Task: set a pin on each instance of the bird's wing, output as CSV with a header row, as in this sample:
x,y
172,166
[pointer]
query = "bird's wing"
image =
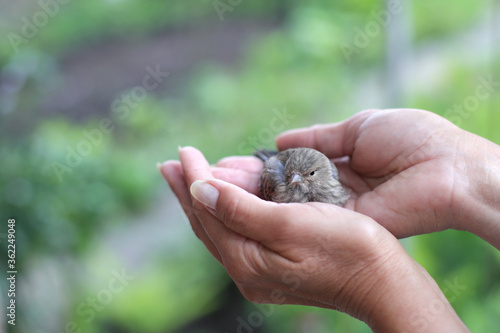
x,y
282,156
271,177
335,172
264,154
274,167
285,154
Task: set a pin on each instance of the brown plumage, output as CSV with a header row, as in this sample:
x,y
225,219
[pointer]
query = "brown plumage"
x,y
300,175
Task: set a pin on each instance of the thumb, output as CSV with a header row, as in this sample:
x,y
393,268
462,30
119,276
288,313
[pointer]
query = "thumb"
x,y
285,228
242,212
333,140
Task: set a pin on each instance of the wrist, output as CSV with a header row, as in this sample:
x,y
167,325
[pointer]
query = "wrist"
x,y
477,189
404,298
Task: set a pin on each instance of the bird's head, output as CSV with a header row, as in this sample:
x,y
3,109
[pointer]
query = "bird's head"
x,y
306,167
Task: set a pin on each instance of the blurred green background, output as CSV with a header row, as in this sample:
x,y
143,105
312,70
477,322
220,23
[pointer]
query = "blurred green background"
x,y
94,93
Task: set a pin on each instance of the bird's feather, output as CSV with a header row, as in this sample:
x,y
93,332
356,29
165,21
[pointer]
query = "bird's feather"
x,y
320,178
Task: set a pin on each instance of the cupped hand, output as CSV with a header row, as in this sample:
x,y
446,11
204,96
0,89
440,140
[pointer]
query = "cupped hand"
x,y
312,254
400,165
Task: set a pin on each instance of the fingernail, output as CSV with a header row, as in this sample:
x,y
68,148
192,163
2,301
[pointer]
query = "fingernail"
x,y
205,193
158,166
179,148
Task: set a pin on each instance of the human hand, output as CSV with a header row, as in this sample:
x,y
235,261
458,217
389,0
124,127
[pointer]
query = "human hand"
x,y
412,171
312,254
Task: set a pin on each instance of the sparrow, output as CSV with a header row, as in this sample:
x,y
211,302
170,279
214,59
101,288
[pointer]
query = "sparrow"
x,y
300,175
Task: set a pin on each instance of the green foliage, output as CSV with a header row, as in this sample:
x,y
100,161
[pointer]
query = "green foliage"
x,y
167,292
84,21
454,96
467,274
61,186
308,319
436,18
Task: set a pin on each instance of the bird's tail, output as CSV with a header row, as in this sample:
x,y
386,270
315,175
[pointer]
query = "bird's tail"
x,y
264,154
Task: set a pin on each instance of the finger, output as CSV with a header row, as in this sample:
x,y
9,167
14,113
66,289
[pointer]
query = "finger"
x,y
251,264
227,241
196,168
229,244
239,210
246,260
247,181
334,140
173,174
249,164
274,225
194,165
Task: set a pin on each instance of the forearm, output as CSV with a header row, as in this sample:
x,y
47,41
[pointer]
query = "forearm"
x,y
477,189
408,300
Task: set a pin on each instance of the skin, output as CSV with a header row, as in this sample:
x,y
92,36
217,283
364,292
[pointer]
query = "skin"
x,y
408,171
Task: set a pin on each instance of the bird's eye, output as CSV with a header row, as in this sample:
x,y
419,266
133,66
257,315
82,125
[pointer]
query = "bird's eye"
x,y
312,173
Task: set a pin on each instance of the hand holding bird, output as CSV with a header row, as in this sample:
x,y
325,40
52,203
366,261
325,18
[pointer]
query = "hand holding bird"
x,y
402,172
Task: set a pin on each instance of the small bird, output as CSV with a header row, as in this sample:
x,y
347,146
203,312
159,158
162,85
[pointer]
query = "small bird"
x,y
300,175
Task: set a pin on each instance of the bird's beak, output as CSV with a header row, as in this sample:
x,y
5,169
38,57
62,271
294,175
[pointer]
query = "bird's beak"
x,y
296,179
